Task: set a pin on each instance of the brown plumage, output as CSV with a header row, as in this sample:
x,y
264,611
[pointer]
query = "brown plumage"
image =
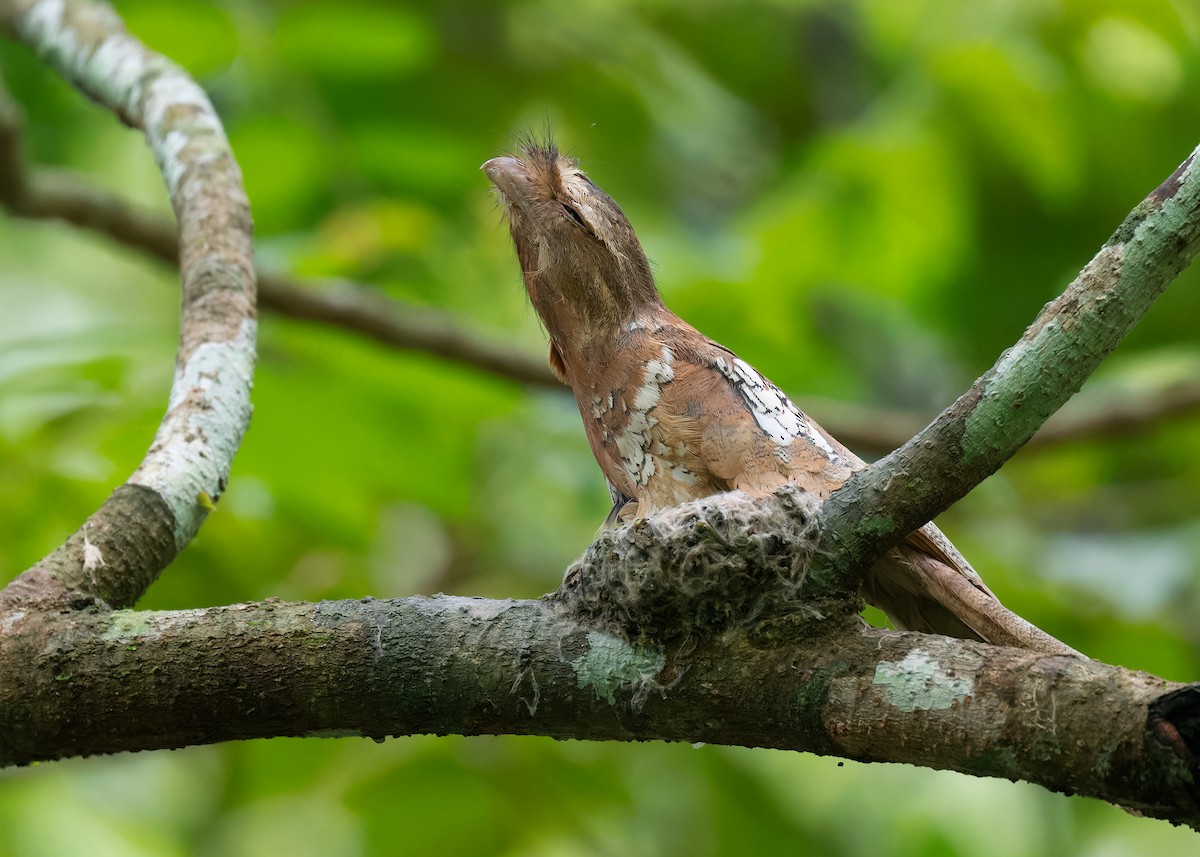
x,y
672,416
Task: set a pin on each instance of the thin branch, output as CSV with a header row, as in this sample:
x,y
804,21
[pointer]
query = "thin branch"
x,y
972,438
1089,416
1102,416
470,666
12,174
121,549
57,195
391,323
49,194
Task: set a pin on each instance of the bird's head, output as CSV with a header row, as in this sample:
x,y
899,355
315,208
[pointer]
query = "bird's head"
x,y
583,266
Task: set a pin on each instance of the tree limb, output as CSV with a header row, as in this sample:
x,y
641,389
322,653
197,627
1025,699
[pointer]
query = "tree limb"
x,y
744,663
133,681
972,438
122,547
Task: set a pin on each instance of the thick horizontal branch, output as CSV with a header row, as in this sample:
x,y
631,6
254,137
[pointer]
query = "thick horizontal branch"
x,y
120,550
102,683
972,438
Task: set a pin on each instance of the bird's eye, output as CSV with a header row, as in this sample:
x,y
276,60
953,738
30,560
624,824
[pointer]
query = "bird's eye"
x,y
575,215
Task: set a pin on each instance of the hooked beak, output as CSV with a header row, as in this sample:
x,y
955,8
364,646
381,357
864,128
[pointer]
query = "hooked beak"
x,y
509,177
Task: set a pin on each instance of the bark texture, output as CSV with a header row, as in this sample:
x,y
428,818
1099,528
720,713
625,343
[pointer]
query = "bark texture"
x,y
109,682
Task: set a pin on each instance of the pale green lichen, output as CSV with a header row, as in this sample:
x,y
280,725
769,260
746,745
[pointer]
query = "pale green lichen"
x,y
611,664
124,624
920,683
140,626
10,621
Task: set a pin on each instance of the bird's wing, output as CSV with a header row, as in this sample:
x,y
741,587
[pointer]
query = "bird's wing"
x,y
756,438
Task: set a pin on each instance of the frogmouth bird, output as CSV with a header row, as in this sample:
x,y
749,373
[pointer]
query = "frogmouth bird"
x,y
673,416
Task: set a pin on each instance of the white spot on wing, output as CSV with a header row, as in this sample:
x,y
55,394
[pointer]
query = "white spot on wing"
x,y
681,474
774,412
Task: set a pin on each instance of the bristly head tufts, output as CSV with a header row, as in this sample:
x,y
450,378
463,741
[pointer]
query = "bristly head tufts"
x,y
583,266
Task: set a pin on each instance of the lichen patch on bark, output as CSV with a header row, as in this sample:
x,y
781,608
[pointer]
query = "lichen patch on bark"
x,y
920,683
127,623
611,664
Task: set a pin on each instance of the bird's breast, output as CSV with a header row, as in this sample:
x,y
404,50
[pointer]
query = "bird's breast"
x,y
671,422
641,434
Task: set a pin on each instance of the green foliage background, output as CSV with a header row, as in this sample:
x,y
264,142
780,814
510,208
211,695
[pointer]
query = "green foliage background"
x,y
868,200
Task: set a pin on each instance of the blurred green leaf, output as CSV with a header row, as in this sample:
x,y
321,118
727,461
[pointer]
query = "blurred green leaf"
x,y
198,35
1131,61
1014,96
286,168
353,40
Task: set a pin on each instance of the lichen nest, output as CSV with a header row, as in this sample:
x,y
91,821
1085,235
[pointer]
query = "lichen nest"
x,y
699,570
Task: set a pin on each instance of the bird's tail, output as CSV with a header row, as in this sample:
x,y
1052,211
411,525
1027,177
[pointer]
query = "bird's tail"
x,y
921,592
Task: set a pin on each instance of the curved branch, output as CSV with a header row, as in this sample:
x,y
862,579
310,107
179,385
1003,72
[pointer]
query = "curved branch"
x,y
148,520
473,666
972,438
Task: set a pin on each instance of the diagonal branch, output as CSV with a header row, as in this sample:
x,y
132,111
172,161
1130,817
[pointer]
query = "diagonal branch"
x,y
972,438
148,520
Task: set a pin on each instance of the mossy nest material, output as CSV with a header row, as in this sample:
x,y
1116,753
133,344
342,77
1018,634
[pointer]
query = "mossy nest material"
x,y
698,570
